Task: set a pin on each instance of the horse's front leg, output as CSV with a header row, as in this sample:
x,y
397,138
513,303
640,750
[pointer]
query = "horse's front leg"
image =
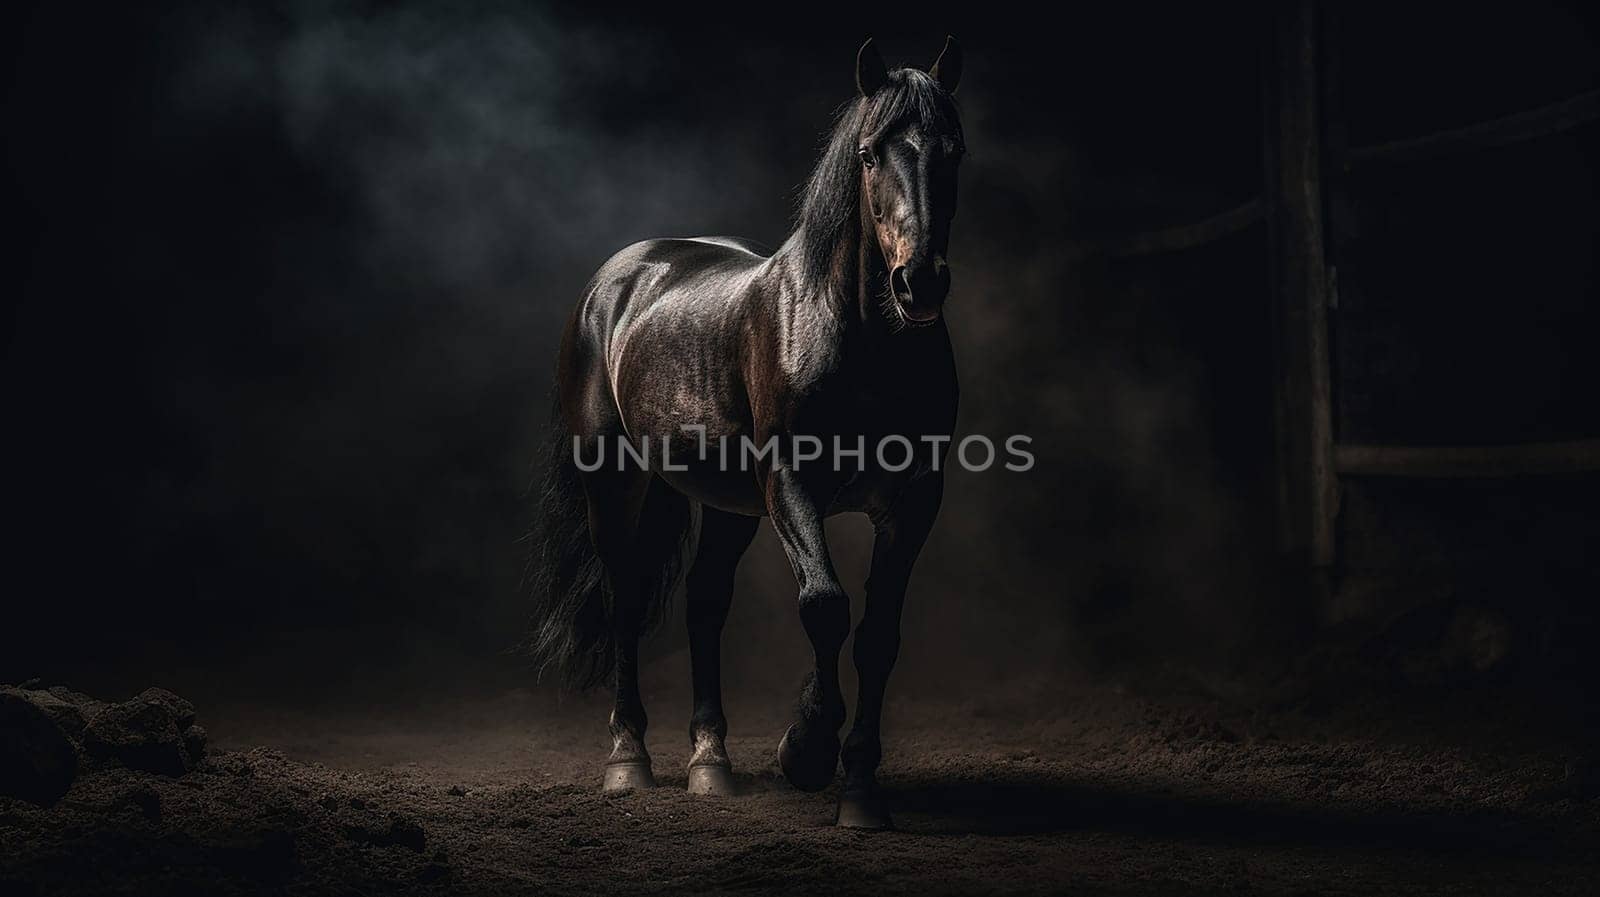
x,y
901,531
809,752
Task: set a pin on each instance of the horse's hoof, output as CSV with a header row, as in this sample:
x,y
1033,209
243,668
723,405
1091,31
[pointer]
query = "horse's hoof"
x,y
628,775
808,766
711,780
863,810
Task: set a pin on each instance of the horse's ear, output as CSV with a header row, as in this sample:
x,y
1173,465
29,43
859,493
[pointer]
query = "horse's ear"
x,y
947,68
871,73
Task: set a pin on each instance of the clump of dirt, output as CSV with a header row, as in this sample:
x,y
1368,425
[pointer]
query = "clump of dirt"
x,y
52,733
154,732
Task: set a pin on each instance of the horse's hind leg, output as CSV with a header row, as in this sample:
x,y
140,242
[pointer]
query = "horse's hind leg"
x,y
900,535
616,501
723,540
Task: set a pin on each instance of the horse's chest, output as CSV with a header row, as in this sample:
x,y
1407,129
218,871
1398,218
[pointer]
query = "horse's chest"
x,y
862,406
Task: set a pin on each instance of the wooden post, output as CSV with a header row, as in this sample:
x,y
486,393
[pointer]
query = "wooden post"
x,y
1307,488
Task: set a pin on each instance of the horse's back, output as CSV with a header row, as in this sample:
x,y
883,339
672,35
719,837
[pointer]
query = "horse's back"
x,y
640,275
643,273
658,306
751,247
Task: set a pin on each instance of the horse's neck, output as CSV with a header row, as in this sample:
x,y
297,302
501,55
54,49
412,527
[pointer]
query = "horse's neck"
x,y
848,292
834,324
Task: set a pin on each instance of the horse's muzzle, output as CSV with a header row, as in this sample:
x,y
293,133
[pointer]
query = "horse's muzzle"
x,y
920,289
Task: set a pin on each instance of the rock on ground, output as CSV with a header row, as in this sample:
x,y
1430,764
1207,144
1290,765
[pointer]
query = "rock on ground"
x,y
37,760
48,734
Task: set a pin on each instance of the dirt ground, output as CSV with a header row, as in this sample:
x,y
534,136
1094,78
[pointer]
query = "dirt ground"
x,y
1088,790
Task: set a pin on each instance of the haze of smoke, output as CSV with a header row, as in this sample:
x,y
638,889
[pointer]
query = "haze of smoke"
x,y
494,157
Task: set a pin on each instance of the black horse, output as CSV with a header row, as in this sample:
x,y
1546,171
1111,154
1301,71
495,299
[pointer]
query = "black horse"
x,y
687,343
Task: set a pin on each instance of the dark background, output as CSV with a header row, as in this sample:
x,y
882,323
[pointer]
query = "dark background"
x,y
288,282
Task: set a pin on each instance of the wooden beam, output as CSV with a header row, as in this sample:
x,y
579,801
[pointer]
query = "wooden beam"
x,y
1306,481
1522,126
1527,459
1535,123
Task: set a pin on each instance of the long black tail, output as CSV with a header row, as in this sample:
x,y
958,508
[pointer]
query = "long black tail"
x,y
572,607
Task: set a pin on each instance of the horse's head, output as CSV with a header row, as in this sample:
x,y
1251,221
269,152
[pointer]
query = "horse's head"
x,y
910,147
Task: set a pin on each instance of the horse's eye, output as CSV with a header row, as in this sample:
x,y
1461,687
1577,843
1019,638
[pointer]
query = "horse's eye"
x,y
866,157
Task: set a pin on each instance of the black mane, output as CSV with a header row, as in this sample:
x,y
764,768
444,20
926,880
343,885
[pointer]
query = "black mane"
x,y
829,204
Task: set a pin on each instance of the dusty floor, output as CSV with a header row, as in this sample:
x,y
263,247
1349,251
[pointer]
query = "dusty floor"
x,y
1107,792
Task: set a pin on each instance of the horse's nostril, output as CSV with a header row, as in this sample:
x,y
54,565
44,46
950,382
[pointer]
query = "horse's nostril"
x,y
899,284
927,283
